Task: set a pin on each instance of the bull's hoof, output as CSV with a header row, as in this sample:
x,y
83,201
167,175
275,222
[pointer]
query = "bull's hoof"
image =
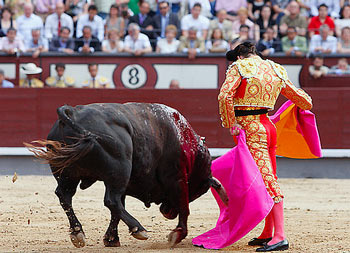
x,y
175,237
111,242
78,239
140,235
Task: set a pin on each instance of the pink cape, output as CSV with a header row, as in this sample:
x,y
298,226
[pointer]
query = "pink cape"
x,y
249,201
297,135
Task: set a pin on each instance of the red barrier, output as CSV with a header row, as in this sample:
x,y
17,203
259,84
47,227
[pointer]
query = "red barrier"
x,y
149,62
28,114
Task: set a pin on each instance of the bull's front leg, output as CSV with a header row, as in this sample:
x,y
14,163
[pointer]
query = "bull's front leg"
x,y
65,191
180,232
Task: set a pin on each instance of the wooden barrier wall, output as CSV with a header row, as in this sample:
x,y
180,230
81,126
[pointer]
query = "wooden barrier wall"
x,y
28,114
156,70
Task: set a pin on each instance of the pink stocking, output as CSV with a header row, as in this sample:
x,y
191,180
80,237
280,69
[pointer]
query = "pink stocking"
x,y
268,228
277,213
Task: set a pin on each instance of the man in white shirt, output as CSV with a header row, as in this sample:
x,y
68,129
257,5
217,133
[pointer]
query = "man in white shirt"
x,y
195,20
136,42
27,22
333,7
92,20
11,44
323,42
56,21
95,80
205,4
38,44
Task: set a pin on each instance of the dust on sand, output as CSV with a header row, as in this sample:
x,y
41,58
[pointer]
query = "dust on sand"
x,y
317,218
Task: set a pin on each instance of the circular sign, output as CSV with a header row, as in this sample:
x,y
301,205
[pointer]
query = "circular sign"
x,y
134,76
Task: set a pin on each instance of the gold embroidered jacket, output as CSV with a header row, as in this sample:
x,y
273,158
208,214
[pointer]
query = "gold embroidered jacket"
x,y
253,82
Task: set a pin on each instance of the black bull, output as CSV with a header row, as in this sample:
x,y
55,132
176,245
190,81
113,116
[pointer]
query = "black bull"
x,y
148,151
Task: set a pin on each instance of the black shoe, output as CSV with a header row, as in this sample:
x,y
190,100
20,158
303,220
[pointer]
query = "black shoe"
x,y
258,242
280,246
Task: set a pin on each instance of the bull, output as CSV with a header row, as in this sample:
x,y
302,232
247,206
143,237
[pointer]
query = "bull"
x,y
148,151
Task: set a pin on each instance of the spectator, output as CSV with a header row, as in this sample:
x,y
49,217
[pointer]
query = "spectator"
x,y
112,44
195,20
343,3
136,42
344,41
63,43
165,18
3,82
304,7
31,70
12,44
134,6
76,8
192,45
323,42
293,19
56,21
217,44
153,5
114,21
242,37
174,84
27,22
60,81
293,44
205,7
175,6
93,21
243,20
6,21
126,13
95,80
333,7
254,8
318,70
43,8
343,21
221,22
16,7
144,20
264,21
280,9
322,19
342,68
104,7
37,44
230,6
87,43
268,44
169,44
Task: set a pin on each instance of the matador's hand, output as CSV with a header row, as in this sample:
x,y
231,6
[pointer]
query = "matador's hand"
x,y
235,129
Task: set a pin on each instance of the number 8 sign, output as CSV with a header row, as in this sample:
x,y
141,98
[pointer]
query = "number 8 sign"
x,y
133,76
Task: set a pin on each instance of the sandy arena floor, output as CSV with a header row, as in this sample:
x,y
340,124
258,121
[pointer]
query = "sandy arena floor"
x,y
317,214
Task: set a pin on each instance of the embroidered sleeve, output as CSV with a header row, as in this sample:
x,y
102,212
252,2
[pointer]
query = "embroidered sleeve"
x,y
227,93
297,96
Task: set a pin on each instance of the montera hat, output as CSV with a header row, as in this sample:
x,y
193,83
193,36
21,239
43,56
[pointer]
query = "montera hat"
x,y
31,68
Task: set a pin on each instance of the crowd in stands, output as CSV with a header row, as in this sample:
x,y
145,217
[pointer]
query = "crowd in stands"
x,y
292,27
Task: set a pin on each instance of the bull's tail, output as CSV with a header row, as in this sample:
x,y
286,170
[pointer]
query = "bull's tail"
x,y
60,155
219,188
